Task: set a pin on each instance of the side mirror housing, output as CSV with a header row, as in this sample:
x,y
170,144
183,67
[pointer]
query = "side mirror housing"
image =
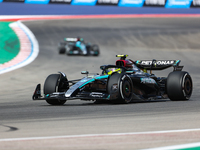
x,y
84,72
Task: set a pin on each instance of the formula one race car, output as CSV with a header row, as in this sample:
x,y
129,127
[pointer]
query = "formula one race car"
x,y
77,46
124,82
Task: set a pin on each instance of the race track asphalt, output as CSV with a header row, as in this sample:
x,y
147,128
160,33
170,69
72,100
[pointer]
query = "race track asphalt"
x,y
140,38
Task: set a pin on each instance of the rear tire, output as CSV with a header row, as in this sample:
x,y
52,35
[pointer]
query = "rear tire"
x,y
179,86
120,87
52,85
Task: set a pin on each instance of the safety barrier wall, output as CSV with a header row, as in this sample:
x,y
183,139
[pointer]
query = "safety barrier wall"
x,y
122,3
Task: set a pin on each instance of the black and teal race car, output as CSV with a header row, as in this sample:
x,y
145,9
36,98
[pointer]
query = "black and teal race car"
x,y
77,46
126,81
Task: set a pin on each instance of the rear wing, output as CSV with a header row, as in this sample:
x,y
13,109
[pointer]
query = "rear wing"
x,y
158,64
70,39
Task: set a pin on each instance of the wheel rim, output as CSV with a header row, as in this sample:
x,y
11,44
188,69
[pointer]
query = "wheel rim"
x,y
126,89
188,86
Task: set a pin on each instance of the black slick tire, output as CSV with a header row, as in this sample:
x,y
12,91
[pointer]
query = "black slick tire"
x,y
179,86
95,49
62,50
52,85
120,87
70,50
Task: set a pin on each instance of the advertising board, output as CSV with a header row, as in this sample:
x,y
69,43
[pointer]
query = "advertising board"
x,y
37,1
107,2
84,2
195,3
178,4
13,0
60,1
131,3
157,3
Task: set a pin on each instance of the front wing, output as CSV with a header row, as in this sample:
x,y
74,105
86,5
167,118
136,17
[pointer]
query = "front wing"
x,y
61,95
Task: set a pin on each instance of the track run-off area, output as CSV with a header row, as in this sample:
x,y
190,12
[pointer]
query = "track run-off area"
x,y
26,124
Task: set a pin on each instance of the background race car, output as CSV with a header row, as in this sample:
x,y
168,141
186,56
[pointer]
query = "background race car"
x,y
77,46
124,82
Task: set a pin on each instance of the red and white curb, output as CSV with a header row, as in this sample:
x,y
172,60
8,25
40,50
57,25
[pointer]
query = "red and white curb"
x,y
29,48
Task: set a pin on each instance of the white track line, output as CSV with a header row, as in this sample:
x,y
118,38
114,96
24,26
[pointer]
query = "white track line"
x,y
176,147
98,135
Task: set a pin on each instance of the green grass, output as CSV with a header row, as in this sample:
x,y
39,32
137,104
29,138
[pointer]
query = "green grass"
x,y
9,43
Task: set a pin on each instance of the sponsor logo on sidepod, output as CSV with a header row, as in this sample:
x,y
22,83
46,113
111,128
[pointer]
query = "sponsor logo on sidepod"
x,y
147,80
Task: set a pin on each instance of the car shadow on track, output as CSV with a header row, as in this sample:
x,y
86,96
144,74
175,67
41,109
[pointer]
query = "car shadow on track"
x,y
104,103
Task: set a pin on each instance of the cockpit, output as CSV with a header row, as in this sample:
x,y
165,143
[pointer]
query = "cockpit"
x,y
110,69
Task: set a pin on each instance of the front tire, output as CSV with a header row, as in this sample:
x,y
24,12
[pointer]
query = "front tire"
x,y
95,49
62,48
179,86
51,85
120,87
69,50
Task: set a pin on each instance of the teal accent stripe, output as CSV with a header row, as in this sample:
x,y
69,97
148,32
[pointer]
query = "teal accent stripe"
x,y
137,61
102,77
87,83
177,61
129,71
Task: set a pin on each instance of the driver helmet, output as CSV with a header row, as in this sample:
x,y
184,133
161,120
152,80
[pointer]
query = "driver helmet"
x,y
80,39
114,70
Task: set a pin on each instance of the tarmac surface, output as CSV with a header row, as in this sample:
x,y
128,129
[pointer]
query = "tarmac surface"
x,y
140,38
